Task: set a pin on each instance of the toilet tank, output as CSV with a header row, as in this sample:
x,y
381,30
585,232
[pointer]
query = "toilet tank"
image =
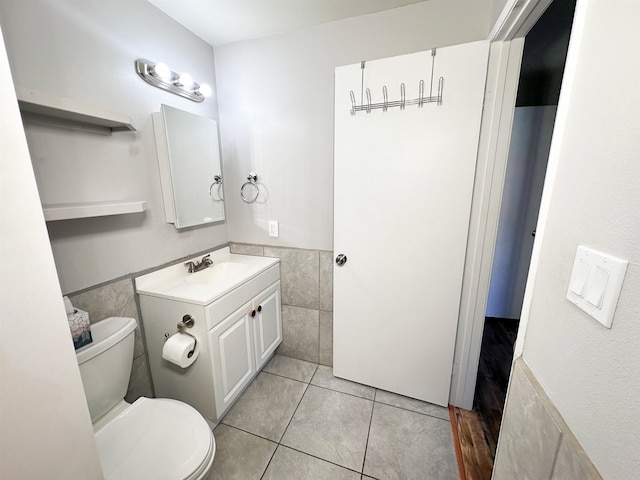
x,y
105,364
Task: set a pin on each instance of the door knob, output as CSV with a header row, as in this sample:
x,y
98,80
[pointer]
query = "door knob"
x,y
341,259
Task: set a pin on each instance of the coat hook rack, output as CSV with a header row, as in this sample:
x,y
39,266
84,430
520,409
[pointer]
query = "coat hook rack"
x,y
403,102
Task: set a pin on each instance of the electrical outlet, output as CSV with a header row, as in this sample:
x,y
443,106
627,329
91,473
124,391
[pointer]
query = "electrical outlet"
x,y
273,228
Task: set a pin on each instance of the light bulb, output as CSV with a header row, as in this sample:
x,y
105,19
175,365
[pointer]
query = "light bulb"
x,y
162,70
185,80
205,90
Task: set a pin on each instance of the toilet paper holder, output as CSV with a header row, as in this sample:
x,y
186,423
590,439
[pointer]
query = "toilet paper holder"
x,y
187,322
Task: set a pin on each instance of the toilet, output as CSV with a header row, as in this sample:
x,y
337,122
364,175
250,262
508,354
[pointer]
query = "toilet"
x,y
151,439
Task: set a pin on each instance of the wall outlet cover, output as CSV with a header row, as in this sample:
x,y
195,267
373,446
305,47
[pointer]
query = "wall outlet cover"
x,y
273,228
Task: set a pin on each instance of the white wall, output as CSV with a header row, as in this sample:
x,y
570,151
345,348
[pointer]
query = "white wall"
x,y
526,167
45,430
592,374
86,50
276,110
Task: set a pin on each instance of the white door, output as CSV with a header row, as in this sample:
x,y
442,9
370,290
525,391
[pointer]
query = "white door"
x,y
403,185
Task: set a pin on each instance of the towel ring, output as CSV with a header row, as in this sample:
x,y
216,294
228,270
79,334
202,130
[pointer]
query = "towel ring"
x,y
246,192
217,180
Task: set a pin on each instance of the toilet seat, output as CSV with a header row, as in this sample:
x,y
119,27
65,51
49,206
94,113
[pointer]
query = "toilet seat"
x,y
156,439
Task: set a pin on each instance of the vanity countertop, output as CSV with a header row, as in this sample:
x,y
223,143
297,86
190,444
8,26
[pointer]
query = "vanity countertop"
x,y
228,272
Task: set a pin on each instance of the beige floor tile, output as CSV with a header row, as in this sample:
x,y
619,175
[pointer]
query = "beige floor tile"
x,y
332,426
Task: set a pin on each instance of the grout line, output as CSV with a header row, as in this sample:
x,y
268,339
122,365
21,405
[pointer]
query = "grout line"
x,y
314,373
289,378
413,411
247,431
277,375
269,462
294,414
555,455
339,391
366,445
322,459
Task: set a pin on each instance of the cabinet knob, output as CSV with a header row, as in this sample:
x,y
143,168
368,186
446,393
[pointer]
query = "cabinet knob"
x,y
259,308
253,313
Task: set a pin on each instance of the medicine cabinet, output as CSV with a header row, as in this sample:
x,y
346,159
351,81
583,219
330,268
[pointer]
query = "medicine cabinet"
x,y
190,172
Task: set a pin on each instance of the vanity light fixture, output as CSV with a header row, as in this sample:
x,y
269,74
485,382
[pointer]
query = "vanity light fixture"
x,y
161,76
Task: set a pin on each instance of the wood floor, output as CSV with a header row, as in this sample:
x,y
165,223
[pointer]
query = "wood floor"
x,y
477,430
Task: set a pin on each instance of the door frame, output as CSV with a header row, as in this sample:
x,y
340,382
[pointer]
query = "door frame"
x,y
505,59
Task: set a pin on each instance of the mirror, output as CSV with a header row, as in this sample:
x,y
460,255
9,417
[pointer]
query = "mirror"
x,y
189,161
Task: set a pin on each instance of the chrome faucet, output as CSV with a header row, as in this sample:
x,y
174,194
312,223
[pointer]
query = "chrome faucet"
x,y
201,265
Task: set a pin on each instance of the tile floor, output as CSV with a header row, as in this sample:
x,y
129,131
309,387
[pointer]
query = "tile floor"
x,y
297,421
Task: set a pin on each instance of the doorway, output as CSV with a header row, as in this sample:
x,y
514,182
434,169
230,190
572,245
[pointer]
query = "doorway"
x,y
539,84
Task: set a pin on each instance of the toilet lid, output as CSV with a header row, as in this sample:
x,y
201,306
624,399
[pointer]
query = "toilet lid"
x,y
155,439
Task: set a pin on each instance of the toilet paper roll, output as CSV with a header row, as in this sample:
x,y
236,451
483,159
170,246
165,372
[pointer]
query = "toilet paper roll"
x,y
176,350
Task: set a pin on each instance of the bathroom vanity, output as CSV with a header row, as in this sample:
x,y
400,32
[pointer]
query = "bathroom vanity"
x,y
235,304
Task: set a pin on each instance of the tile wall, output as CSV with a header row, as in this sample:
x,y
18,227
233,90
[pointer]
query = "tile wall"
x,y
117,299
306,282
535,442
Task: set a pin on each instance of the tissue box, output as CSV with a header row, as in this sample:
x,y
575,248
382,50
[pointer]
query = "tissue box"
x,y
80,328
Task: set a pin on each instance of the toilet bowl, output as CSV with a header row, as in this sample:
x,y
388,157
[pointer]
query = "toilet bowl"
x,y
152,438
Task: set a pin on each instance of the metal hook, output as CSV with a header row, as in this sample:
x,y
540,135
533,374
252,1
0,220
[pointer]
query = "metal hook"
x,y
353,102
368,101
440,90
420,93
386,99
402,97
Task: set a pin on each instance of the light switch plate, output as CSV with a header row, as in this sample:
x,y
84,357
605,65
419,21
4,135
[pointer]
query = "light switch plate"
x,y
596,278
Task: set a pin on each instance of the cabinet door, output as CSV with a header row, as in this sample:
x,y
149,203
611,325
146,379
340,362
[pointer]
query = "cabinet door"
x,y
267,325
231,345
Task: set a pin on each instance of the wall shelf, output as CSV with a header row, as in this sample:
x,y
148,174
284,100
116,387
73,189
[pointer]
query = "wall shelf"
x,y
69,110
66,211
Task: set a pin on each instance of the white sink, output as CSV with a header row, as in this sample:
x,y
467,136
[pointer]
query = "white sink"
x,y
227,272
217,273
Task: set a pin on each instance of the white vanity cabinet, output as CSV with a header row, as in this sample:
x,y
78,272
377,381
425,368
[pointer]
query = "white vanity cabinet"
x,y
238,328
242,343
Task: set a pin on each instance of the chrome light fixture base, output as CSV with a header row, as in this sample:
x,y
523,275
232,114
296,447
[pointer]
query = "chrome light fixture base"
x,y
145,68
